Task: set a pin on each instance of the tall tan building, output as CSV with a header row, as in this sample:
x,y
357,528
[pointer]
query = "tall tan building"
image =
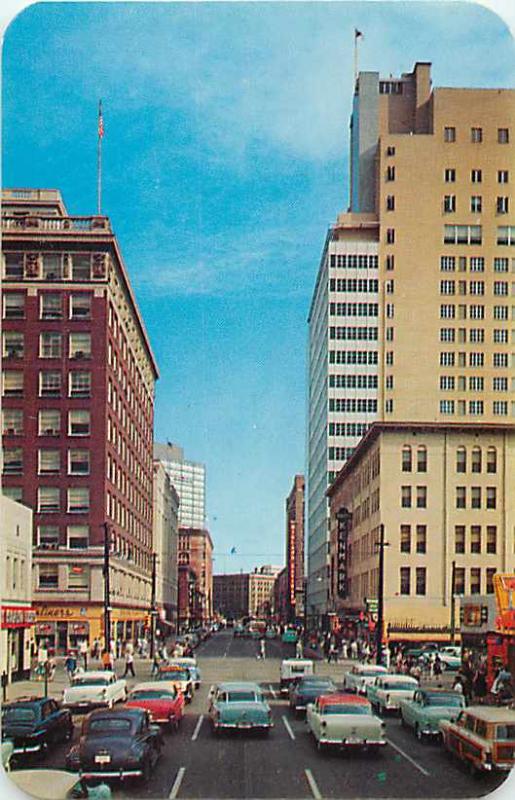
x,y
431,169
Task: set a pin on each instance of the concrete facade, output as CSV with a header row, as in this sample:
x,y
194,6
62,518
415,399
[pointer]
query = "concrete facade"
x,y
165,534
189,479
295,550
195,551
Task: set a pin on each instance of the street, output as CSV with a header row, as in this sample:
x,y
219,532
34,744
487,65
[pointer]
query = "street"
x,y
196,764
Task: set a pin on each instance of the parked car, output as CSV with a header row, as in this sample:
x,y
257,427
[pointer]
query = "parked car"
x,y
293,669
239,706
95,689
191,664
306,690
361,676
117,743
449,660
289,636
428,708
386,692
344,720
179,677
483,737
34,724
164,703
57,784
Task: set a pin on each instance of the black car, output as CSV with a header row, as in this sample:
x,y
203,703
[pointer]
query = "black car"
x,y
116,743
34,724
306,690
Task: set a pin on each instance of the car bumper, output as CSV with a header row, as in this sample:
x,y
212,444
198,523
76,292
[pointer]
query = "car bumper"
x,y
243,726
27,748
110,773
354,742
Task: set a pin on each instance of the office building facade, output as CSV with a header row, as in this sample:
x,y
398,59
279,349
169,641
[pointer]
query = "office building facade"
x,y
189,480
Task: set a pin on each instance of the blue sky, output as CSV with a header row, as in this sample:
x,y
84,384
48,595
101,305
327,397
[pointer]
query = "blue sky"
x,y
225,159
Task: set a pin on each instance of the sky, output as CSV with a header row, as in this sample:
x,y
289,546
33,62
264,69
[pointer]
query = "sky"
x,y
225,159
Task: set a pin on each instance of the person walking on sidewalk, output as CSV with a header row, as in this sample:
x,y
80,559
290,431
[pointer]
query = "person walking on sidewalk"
x,y
70,666
106,660
129,664
83,650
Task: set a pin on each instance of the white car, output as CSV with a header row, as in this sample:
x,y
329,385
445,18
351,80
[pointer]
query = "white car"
x,y
95,689
361,676
345,721
191,664
387,691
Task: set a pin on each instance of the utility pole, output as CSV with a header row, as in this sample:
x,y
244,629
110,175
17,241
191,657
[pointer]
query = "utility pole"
x,y
381,544
453,605
153,610
107,592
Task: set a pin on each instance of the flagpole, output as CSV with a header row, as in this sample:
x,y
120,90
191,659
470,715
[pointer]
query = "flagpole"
x,y
99,159
357,35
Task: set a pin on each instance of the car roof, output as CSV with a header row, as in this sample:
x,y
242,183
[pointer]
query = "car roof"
x,y
99,673
238,685
173,667
25,701
300,662
315,679
491,714
374,667
107,713
398,678
158,686
341,698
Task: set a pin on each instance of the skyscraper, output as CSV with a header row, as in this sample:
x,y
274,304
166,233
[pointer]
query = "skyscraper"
x,y
189,480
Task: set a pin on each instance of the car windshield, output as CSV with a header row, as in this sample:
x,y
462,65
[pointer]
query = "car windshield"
x,y
174,675
152,695
443,700
316,687
241,697
368,673
110,725
340,708
401,687
18,714
84,680
505,732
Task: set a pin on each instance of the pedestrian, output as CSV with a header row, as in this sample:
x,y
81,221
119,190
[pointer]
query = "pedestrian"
x,y
83,650
354,649
298,648
129,665
262,648
96,647
457,685
70,665
479,685
106,660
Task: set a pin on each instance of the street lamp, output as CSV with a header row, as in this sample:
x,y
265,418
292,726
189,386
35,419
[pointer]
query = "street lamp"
x,y
453,604
107,593
153,609
381,544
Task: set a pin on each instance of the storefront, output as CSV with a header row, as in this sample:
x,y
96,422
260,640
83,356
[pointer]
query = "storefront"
x,y
17,635
477,618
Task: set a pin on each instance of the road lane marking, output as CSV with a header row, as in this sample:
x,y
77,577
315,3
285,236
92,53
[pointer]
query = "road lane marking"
x,y
409,758
174,791
197,729
288,728
272,691
315,791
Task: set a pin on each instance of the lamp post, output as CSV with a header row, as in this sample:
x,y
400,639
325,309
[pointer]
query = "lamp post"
x,y
453,604
107,592
153,610
381,544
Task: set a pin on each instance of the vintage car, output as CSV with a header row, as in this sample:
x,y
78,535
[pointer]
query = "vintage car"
x,y
177,676
483,737
164,703
361,676
117,743
191,664
386,692
34,724
95,689
292,669
306,690
57,784
428,708
449,660
344,720
289,636
238,706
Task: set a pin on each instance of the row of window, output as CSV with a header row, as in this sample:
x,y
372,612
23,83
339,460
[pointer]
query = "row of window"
x,y
476,176
353,356
347,428
474,383
475,264
499,288
500,360
476,135
473,234
420,573
353,381
479,497
74,537
49,461
50,345
77,577
49,500
353,334
419,540
14,576
49,422
478,456
54,266
354,285
50,383
475,407
351,261
477,335
450,204
51,305
476,539
340,453
353,405
354,309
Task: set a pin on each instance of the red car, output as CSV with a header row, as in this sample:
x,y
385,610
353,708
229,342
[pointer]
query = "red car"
x,y
164,703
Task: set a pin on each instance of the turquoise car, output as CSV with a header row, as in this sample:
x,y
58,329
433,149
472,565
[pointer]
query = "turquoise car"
x,y
289,636
239,706
428,708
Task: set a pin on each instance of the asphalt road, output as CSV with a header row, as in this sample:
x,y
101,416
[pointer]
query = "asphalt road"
x,y
286,764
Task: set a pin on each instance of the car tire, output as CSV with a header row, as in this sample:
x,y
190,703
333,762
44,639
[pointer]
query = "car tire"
x,y
419,735
110,703
321,747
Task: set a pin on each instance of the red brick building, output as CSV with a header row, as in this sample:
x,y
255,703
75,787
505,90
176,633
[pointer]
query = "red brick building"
x,y
295,550
281,607
195,552
78,396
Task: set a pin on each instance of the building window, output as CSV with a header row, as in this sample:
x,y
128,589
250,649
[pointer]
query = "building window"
x,y
475,497
503,135
491,497
421,459
47,576
390,173
405,580
13,461
459,580
78,500
449,134
80,306
500,359
14,305
48,537
502,205
476,459
52,268
449,203
420,574
459,538
500,384
447,383
80,345
506,235
50,305
447,334
475,580
475,539
405,496
49,384
447,311
13,344
421,496
48,499
405,541
477,264
390,236
78,423
503,176
406,459
476,407
13,267
49,422
476,176
491,460
447,263
500,336
78,462
12,421
421,538
390,202
390,262
446,406
476,135
461,497
78,577
50,345
491,539
490,572
78,537
79,384
388,406
476,204
81,268
450,175
447,287
49,462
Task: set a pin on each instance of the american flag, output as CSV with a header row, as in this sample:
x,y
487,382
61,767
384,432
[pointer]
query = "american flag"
x,y
100,121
